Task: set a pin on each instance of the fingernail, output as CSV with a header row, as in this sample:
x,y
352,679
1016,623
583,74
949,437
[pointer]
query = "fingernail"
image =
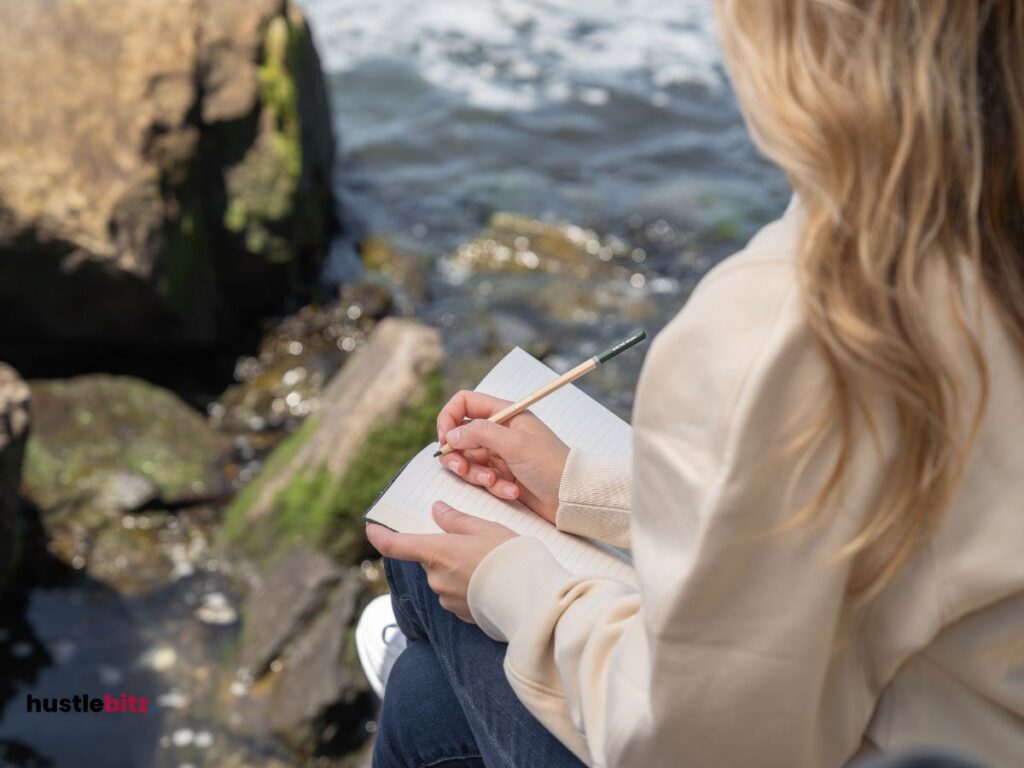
x,y
510,491
483,477
453,465
439,507
453,435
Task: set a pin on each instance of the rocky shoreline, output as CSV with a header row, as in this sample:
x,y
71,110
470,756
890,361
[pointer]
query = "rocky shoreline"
x,y
170,200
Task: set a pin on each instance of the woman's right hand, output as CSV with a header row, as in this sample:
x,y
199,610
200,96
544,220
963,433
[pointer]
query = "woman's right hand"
x,y
520,459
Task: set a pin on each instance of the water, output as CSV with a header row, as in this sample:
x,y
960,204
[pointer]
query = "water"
x,y
587,111
611,114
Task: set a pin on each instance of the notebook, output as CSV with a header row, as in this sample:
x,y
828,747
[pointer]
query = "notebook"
x,y
576,418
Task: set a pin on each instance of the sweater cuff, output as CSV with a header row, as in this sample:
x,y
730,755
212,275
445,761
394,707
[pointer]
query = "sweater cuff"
x,y
594,498
511,580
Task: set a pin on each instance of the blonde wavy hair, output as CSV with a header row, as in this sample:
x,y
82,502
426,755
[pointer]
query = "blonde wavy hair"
x,y
900,124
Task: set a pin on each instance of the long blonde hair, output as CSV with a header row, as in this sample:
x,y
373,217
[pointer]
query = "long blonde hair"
x,y
900,124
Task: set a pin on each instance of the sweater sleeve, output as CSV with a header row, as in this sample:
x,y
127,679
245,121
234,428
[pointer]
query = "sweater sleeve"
x,y
594,498
735,649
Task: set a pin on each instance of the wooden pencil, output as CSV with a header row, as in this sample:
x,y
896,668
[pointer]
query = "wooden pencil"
x,y
566,378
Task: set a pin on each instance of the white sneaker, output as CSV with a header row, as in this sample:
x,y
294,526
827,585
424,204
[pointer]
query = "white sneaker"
x,y
379,642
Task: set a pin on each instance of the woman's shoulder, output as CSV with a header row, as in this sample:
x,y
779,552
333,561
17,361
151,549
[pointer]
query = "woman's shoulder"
x,y
769,255
742,333
743,296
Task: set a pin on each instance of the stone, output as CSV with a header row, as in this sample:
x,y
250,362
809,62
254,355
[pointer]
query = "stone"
x,y
14,423
165,169
511,243
122,491
313,677
96,430
374,415
283,381
281,602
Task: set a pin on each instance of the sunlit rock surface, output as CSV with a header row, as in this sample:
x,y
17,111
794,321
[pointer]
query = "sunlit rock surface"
x,y
164,168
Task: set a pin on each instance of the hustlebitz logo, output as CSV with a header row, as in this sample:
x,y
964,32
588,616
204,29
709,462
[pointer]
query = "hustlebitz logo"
x,y
126,703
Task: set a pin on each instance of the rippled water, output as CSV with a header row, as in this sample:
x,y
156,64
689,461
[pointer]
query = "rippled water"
x,y
589,111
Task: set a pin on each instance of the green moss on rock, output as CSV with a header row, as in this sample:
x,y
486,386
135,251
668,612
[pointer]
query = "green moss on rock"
x,y
325,511
262,187
87,428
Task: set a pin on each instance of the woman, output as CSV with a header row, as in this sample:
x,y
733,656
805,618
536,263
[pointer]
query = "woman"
x,y
826,501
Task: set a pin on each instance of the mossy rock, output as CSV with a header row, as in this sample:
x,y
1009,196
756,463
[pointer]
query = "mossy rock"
x,y
376,414
512,243
323,510
89,428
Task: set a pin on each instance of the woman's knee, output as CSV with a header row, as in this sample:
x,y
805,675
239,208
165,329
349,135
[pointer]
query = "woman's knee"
x,y
421,721
409,592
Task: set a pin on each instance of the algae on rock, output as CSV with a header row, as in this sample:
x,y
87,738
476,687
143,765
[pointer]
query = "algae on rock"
x,y
376,414
89,428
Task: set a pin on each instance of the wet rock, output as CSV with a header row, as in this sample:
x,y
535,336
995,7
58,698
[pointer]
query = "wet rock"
x,y
14,423
511,243
375,414
560,291
283,382
281,602
407,274
314,677
122,491
131,561
173,182
105,447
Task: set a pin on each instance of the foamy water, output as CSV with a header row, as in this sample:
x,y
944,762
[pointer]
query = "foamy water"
x,y
519,54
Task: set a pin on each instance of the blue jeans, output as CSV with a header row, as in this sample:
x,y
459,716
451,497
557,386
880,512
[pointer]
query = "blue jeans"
x,y
447,701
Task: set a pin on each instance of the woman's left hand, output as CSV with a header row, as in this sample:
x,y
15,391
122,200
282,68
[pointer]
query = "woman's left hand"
x,y
448,558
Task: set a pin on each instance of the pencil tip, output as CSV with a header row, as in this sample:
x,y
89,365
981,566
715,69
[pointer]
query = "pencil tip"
x,y
438,453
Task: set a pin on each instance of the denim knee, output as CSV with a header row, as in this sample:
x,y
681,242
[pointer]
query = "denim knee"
x,y
409,593
421,721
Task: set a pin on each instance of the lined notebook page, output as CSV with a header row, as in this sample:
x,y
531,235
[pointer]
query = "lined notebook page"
x,y
575,417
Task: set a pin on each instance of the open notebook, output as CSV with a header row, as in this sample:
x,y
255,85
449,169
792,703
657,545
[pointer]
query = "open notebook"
x,y
576,418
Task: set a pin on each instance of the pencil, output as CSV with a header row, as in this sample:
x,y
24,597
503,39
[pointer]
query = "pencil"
x,y
566,378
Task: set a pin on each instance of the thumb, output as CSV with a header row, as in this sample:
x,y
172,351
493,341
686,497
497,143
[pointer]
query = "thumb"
x,y
481,433
453,521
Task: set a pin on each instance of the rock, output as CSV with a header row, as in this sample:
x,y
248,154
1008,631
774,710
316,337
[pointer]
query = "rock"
x,y
313,677
93,432
407,274
284,380
14,422
375,414
519,244
165,168
281,602
297,672
122,491
105,446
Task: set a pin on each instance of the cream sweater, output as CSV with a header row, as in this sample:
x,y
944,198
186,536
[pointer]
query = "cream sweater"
x,y
739,648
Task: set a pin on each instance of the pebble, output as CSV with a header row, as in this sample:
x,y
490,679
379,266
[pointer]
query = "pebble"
x,y
215,609
173,699
182,737
159,659
204,740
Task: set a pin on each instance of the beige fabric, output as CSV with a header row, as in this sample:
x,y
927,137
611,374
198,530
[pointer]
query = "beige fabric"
x,y
739,648
594,497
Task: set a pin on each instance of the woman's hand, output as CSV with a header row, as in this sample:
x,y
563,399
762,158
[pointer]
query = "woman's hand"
x,y
448,558
520,459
